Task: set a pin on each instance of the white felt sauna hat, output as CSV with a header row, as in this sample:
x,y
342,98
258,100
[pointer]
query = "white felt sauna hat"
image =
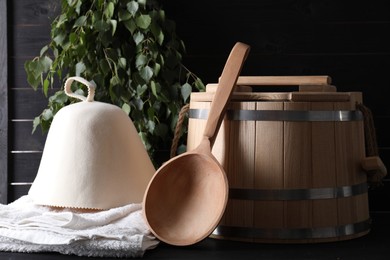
x,y
93,157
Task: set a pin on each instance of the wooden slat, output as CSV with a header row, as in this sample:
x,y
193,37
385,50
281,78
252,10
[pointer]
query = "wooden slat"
x,y
282,80
291,37
27,103
269,168
378,197
350,140
23,140
24,166
270,11
240,170
324,211
281,27
18,76
297,167
34,12
3,103
16,191
29,40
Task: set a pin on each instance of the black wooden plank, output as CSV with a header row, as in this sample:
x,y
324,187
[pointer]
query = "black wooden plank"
x,y
379,197
283,26
384,154
382,129
17,191
18,77
34,12
24,166
21,138
28,40
3,102
27,103
277,10
288,38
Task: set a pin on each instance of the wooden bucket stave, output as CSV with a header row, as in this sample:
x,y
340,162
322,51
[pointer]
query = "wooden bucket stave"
x,y
297,181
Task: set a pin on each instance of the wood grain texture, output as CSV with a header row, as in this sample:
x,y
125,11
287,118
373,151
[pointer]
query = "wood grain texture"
x,y
3,103
269,168
27,103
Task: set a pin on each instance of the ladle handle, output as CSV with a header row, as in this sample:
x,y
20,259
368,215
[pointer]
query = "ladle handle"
x,y
227,81
90,84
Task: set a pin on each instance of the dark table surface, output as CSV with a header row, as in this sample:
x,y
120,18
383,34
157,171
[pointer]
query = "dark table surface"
x,y
375,245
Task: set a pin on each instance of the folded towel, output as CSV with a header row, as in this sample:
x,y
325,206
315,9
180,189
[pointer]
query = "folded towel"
x,y
118,232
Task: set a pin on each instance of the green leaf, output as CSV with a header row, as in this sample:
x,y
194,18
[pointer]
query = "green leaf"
x,y
132,7
46,84
140,61
138,37
157,33
80,68
115,81
104,66
109,11
45,62
143,21
138,103
126,108
199,84
122,63
151,126
141,89
61,19
59,39
43,50
151,112
102,26
47,114
142,2
145,140
154,88
34,82
59,97
73,37
36,123
186,91
146,73
113,26
130,25
157,68
80,21
124,15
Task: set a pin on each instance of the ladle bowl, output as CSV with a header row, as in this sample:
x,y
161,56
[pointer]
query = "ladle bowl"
x,y
188,207
187,196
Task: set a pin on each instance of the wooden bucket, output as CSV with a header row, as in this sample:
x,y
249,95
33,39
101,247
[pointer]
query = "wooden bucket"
x,y
293,161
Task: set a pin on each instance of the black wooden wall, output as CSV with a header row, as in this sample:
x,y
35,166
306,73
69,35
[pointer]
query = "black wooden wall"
x,y
347,40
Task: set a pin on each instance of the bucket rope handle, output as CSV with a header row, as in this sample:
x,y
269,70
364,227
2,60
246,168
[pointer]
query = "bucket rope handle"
x,y
90,85
178,127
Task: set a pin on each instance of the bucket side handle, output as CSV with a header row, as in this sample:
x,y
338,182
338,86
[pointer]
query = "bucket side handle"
x,y
375,169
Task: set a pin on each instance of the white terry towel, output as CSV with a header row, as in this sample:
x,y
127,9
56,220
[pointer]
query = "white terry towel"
x,y
118,232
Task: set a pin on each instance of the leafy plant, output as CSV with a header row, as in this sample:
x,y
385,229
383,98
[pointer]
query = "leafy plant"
x,y
131,51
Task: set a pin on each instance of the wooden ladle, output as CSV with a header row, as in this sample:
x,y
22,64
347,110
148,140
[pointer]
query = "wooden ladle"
x,y
187,196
